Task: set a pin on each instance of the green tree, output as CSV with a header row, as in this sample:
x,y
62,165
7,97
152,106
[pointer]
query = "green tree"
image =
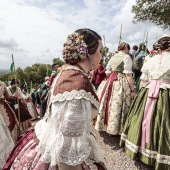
x,y
157,12
105,50
58,61
31,75
5,77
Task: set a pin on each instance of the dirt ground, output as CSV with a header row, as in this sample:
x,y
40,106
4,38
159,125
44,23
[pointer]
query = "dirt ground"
x,y
114,154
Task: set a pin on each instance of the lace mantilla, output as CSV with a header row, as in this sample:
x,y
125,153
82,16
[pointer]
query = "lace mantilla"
x,y
66,136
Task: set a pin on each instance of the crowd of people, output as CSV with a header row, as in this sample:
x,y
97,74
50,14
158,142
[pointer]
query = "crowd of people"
x,y
127,96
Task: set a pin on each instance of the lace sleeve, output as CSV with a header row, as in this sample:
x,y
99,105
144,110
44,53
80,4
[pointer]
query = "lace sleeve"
x,y
127,65
66,137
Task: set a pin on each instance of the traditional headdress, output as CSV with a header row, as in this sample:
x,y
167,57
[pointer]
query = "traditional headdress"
x,y
75,49
164,42
123,45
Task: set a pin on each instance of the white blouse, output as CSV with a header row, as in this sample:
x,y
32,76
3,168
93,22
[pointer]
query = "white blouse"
x,y
127,67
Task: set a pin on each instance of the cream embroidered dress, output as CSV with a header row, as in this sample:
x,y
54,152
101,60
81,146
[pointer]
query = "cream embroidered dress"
x,y
30,106
8,114
6,141
115,99
146,133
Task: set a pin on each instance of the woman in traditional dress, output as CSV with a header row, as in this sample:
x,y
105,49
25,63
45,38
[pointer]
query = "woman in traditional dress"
x,y
25,117
146,133
7,112
115,92
7,142
62,139
153,52
31,108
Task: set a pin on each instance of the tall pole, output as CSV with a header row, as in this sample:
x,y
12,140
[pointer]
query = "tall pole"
x,y
144,36
15,75
104,41
120,38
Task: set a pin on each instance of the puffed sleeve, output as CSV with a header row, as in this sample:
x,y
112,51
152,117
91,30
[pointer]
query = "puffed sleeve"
x,y
67,136
127,65
144,70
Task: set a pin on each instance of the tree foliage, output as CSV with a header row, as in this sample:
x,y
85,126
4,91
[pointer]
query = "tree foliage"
x,y
58,61
104,51
157,12
35,74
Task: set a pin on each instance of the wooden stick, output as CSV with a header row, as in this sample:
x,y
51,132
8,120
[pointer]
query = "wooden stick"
x,y
120,38
104,40
19,115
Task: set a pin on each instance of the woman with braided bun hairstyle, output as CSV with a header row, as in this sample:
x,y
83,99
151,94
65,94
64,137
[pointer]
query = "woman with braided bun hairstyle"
x,y
62,139
116,92
146,133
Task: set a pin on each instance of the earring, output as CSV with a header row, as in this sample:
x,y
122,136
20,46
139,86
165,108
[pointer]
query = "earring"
x,y
91,63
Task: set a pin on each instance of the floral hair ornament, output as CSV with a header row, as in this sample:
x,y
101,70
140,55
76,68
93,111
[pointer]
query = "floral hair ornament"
x,y
75,47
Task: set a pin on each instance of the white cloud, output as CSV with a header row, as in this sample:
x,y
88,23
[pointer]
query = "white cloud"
x,y
35,30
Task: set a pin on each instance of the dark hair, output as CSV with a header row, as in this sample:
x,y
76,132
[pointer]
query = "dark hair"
x,y
123,45
164,43
70,53
142,47
54,65
91,39
12,82
135,47
156,46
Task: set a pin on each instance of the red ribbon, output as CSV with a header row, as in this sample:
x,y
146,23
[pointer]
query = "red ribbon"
x,y
110,80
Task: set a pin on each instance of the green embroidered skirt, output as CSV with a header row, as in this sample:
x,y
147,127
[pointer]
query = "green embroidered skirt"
x,y
157,152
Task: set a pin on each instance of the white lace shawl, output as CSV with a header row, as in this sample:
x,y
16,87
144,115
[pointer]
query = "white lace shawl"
x,y
66,136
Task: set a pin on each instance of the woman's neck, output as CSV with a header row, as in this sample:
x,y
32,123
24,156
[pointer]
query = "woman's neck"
x,y
85,65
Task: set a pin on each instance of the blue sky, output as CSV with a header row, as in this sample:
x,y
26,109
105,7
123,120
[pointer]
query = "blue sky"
x,y
35,30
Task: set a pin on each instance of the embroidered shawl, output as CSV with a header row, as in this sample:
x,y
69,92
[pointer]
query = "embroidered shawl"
x,y
73,83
